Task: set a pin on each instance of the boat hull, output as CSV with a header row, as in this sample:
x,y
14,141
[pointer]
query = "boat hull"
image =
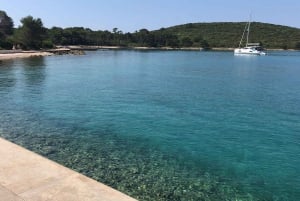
x,y
246,51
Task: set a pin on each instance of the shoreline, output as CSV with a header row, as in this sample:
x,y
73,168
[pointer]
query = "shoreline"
x,y
19,54
79,50
99,47
23,54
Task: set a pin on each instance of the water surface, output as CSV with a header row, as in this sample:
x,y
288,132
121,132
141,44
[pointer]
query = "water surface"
x,y
162,125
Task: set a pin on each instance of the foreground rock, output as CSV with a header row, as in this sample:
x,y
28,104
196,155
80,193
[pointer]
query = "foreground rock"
x,y
25,175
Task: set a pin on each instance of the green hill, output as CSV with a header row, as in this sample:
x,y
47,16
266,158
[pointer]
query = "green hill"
x,y
228,34
207,35
33,35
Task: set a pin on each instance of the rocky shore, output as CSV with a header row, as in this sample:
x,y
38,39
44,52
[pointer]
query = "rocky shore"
x,y
80,50
15,54
23,54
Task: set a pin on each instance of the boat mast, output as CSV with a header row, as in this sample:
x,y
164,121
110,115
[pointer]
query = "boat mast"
x,y
248,30
243,35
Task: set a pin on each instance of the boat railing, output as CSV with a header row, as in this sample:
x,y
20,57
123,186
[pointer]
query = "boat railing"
x,y
253,44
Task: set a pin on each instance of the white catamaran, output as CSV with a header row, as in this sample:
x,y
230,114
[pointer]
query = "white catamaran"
x,y
250,48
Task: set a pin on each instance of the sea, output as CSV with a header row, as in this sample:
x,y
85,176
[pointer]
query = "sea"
x,y
162,125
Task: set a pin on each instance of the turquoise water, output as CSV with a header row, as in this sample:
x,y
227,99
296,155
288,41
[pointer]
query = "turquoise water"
x,y
162,125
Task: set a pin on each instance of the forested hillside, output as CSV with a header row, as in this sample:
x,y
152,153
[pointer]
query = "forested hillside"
x,y
229,34
206,35
31,34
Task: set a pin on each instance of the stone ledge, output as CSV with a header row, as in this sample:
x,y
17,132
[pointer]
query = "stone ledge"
x,y
26,176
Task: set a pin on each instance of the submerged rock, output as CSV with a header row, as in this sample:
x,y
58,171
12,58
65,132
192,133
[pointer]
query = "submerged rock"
x,y
77,52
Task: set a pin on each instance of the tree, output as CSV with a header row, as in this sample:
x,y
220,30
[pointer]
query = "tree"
x,y
297,46
6,24
117,35
142,36
198,39
31,34
186,42
204,44
56,35
6,29
172,40
75,36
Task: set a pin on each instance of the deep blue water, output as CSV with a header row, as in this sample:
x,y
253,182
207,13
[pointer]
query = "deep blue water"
x,y
163,125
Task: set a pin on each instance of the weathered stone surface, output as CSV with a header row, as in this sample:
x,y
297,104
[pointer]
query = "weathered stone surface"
x,y
25,175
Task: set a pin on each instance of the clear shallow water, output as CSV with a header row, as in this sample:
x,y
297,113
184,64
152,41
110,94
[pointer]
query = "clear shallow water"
x,y
163,125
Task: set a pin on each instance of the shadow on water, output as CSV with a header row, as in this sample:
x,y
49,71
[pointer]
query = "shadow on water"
x,y
7,76
34,71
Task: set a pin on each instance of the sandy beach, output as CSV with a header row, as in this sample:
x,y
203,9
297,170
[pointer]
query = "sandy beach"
x,y
23,54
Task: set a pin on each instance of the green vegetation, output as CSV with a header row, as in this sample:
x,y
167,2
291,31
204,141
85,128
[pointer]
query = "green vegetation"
x,y
32,35
6,30
228,34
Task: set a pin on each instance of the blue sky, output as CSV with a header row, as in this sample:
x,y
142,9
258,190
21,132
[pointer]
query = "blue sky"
x,y
132,15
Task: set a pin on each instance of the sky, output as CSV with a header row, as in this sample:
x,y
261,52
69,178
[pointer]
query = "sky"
x,y
133,15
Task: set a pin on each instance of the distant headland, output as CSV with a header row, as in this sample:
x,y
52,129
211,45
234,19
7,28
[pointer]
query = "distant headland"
x,y
32,35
